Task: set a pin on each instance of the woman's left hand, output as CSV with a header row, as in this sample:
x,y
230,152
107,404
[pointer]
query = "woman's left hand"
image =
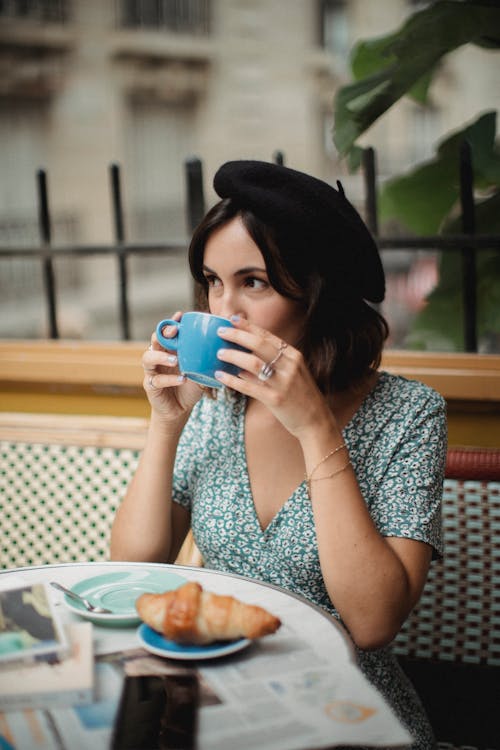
x,y
290,392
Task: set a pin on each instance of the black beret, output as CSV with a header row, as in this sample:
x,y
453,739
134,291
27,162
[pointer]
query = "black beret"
x,y
310,218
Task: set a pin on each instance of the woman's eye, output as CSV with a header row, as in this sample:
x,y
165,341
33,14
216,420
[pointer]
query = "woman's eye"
x,y
212,280
255,283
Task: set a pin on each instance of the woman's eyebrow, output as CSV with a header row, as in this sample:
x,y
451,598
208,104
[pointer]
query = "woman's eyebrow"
x,y
239,272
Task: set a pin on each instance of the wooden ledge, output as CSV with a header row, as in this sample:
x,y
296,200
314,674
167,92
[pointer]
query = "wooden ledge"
x,y
116,367
72,363
74,429
467,377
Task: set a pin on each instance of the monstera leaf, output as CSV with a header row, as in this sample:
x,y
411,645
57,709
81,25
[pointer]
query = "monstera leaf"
x,y
387,68
423,198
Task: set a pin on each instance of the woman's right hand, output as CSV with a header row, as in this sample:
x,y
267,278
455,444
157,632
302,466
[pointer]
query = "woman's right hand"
x,y
171,395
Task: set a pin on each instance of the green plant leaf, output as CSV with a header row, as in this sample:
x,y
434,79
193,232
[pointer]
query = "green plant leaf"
x,y
420,90
374,55
389,67
354,158
370,56
423,199
439,327
487,215
416,205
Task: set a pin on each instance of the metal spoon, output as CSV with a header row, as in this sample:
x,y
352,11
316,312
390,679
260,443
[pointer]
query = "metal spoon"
x,y
91,607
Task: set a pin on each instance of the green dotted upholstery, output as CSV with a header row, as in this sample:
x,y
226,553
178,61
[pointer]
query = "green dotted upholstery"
x,y
57,502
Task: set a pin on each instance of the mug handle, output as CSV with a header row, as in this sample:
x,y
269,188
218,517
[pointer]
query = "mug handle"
x,y
168,343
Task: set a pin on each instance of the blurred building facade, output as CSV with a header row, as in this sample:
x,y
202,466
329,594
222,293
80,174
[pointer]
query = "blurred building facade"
x,y
148,83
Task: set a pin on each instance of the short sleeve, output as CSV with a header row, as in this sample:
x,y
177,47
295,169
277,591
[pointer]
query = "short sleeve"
x,y
407,502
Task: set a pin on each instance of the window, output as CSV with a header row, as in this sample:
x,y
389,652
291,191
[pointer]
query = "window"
x,y
45,11
23,148
159,137
158,140
181,16
334,28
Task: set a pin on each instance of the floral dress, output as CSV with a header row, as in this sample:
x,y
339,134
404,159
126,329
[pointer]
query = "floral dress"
x,y
397,444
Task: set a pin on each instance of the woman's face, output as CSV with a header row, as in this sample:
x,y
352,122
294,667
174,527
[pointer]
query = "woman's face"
x,y
238,284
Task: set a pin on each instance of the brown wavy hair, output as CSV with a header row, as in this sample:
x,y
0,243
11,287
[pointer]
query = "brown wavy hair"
x,y
343,336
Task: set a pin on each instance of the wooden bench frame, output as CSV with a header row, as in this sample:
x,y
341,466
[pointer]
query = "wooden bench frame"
x,y
457,376
78,377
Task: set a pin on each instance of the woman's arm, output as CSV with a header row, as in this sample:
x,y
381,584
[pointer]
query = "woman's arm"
x,y
148,526
374,581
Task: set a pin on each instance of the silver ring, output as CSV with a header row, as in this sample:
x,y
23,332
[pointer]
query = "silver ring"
x,y
265,372
267,369
150,382
150,347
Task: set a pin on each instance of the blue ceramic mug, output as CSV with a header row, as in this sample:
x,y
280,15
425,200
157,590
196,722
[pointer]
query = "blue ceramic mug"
x,y
197,343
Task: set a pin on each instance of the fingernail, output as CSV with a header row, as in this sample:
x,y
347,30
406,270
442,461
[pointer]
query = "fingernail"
x,y
236,318
181,379
219,374
172,359
221,352
221,330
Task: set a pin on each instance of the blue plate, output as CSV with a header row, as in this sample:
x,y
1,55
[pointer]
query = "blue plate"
x,y
119,592
157,644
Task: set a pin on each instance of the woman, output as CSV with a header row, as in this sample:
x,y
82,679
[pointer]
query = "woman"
x,y
312,469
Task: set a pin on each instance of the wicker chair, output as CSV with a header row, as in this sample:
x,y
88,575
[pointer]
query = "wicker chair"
x,y
450,645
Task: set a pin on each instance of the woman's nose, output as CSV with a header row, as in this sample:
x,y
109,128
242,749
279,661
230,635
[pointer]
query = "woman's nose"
x,y
230,310
228,306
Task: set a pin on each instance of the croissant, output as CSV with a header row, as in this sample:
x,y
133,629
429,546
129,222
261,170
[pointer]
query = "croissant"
x,y
191,615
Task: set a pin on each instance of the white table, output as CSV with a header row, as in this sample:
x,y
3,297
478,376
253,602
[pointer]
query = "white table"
x,y
299,688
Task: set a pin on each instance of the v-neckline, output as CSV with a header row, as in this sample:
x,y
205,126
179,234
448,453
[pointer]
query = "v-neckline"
x,y
300,489
246,476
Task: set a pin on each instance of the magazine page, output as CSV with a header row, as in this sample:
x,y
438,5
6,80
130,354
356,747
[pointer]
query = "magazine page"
x,y
68,681
30,628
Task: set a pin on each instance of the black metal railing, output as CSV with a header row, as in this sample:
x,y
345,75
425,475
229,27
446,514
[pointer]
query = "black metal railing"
x,y
120,249
467,244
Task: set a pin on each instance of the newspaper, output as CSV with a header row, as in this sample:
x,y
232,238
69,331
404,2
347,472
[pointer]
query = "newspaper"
x,y
253,700
297,689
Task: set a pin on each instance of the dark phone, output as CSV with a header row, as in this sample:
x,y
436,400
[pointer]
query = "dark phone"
x,y
157,712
